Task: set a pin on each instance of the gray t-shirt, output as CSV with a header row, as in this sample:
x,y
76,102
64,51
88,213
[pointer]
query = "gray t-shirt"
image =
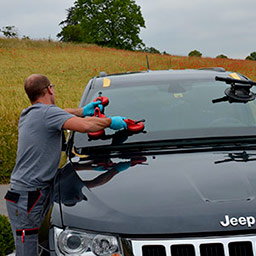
x,y
39,146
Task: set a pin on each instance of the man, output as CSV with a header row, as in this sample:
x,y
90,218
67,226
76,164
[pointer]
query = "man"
x,y
38,156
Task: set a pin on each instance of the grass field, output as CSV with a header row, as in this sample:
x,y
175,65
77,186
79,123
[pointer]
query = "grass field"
x,y
69,67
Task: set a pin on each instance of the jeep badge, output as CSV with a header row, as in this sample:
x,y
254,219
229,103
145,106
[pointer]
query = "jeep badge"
x,y
242,221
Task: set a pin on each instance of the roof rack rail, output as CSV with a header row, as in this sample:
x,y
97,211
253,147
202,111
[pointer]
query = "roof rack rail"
x,y
218,69
104,74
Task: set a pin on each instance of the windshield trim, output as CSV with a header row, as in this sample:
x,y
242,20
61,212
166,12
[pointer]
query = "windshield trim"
x,y
190,143
124,137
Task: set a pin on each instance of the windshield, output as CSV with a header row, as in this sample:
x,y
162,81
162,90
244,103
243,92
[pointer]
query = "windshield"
x,y
174,109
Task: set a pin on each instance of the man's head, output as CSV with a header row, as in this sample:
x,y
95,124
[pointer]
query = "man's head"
x,y
39,88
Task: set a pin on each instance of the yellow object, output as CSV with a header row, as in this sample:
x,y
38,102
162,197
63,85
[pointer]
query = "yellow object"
x,y
106,82
235,76
81,156
178,95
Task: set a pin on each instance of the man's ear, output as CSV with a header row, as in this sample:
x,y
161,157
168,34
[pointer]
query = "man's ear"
x,y
50,90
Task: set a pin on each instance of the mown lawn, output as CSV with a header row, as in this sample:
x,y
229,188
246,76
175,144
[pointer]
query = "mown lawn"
x,y
69,67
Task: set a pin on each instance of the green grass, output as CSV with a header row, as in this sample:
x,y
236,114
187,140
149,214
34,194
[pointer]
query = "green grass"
x,y
69,67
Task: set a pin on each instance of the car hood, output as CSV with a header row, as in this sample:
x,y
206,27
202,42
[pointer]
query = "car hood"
x,y
162,194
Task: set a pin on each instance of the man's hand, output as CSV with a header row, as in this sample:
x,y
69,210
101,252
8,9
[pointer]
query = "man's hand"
x,y
94,124
89,109
118,123
119,167
122,166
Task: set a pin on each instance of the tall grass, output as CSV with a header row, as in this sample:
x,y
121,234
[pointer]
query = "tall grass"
x,y
69,67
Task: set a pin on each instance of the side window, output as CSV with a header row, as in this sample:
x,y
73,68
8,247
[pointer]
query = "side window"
x,y
85,93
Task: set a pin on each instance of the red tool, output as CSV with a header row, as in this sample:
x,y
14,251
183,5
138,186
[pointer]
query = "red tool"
x,y
96,135
134,125
104,100
138,160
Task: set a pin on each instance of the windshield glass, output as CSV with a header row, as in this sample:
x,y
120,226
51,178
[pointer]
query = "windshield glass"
x,y
174,109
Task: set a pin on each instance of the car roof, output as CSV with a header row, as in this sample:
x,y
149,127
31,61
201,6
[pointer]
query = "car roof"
x,y
171,74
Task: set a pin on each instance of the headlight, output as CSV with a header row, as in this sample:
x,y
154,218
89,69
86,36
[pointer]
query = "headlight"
x,y
104,245
73,242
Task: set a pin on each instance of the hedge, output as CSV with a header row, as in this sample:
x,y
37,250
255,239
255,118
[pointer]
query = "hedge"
x,y
6,238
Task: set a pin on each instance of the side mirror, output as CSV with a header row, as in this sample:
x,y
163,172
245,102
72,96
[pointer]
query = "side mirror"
x,y
65,134
64,142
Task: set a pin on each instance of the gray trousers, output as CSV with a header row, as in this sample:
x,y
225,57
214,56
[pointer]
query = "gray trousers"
x,y
26,210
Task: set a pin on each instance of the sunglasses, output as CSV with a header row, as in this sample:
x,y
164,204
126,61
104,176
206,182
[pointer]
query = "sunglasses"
x,y
51,86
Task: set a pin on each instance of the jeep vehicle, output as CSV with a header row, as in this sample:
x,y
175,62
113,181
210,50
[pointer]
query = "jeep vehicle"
x,y
184,185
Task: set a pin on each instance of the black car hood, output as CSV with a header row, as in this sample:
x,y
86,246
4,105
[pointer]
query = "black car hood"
x,y
162,194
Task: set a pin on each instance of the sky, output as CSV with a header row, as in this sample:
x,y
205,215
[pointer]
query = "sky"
x,y
176,26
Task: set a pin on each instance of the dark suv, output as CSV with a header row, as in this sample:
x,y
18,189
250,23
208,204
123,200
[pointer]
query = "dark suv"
x,y
185,185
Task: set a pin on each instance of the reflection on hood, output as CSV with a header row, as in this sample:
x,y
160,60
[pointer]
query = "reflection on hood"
x,y
71,184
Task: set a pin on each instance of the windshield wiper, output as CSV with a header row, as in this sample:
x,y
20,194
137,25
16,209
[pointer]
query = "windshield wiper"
x,y
238,92
237,157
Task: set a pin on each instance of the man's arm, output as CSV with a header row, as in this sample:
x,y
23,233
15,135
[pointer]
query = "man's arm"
x,y
75,111
87,110
88,124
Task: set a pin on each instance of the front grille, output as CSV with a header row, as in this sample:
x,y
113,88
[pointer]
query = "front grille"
x,y
153,250
212,250
212,246
182,250
241,249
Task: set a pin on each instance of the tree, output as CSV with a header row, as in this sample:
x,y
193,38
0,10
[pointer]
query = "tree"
x,y
222,56
9,31
165,53
151,50
252,56
195,53
112,23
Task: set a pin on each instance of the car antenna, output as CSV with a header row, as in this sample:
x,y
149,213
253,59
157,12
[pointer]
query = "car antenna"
x,y
147,62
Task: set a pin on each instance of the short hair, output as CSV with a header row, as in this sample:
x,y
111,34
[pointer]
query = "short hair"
x,y
34,86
